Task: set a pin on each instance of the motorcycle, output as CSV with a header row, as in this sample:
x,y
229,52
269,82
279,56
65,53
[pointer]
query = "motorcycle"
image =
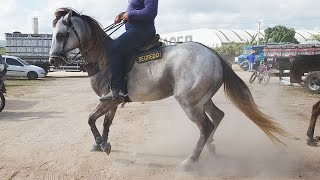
x,y
2,88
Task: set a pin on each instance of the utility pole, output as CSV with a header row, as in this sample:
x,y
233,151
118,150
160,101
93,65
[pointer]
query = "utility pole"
x,y
259,28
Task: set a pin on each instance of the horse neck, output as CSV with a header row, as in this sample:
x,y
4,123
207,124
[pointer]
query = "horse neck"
x,y
93,49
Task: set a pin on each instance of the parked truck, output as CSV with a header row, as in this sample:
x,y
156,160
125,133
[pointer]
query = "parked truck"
x,y
34,49
302,60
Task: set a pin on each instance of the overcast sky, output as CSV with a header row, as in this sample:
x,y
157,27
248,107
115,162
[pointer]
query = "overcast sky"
x,y
173,15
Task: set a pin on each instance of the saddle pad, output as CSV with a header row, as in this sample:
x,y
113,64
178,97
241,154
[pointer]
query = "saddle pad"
x,y
149,55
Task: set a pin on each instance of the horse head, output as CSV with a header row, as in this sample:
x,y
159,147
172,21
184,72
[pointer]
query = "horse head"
x,y
67,35
73,30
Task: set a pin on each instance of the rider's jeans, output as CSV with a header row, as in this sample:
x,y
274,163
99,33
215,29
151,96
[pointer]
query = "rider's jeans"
x,y
120,50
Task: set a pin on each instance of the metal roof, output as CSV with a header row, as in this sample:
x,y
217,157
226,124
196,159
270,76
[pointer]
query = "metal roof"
x,y
304,35
216,37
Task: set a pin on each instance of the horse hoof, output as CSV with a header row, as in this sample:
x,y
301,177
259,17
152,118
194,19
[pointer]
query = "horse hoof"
x,y
317,138
312,142
106,147
188,165
96,147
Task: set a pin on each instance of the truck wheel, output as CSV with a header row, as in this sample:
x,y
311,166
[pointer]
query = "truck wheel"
x,y
32,75
311,82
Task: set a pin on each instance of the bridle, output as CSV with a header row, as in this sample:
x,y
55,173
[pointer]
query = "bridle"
x,y
70,28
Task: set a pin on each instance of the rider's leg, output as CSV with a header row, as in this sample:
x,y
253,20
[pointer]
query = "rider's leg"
x,y
117,53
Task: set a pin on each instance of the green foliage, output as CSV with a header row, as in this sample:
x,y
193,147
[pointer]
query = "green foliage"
x,y
252,42
280,34
316,37
2,51
230,51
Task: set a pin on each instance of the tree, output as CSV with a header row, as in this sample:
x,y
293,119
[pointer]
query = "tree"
x,y
280,34
252,41
316,37
230,51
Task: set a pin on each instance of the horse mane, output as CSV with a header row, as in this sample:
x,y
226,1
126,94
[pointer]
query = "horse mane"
x,y
95,45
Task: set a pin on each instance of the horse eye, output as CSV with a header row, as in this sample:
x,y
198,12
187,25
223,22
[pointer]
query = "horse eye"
x,y
59,36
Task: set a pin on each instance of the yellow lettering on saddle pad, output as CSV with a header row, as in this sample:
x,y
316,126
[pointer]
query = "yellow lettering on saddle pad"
x,y
149,56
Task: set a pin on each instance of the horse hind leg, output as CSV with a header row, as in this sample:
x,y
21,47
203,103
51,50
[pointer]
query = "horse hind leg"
x,y
314,115
216,115
198,116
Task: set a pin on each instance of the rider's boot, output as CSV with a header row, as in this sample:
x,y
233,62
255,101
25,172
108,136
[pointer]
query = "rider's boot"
x,y
113,95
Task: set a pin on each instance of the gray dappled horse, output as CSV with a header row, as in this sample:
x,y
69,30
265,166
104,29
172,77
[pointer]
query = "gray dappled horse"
x,y
191,72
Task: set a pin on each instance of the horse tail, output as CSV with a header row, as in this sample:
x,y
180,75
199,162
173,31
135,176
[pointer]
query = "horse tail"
x,y
239,94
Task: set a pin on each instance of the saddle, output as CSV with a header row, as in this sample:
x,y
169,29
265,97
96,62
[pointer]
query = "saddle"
x,y
153,42
151,50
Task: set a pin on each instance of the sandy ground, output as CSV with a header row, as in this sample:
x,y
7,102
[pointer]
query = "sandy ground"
x,y
44,135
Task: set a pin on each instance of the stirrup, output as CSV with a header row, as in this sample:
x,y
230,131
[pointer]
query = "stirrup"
x,y
113,95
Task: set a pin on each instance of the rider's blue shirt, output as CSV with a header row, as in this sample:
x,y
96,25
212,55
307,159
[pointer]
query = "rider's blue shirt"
x,y
142,14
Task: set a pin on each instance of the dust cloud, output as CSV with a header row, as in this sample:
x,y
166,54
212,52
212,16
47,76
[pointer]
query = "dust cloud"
x,y
242,150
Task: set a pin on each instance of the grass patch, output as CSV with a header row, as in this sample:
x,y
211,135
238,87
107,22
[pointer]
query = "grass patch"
x,y
22,82
18,87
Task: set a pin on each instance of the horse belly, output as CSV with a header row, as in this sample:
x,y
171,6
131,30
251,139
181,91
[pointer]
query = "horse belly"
x,y
148,92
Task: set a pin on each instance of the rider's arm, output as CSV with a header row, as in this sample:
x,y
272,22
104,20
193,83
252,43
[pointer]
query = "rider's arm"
x,y
148,12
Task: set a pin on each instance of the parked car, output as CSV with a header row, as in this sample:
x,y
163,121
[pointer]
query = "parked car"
x,y
19,68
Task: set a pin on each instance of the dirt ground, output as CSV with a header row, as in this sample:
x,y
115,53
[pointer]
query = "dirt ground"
x,y
44,135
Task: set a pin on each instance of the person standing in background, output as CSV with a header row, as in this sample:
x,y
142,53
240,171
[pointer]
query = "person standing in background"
x,y
251,58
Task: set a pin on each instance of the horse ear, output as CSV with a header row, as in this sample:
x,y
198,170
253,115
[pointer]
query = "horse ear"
x,y
67,17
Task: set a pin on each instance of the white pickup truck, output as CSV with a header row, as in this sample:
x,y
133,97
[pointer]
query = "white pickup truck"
x,y
19,68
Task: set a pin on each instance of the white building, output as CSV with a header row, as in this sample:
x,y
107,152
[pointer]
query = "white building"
x,y
218,37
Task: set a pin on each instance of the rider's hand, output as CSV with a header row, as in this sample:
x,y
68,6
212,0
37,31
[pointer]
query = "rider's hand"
x,y
118,18
125,16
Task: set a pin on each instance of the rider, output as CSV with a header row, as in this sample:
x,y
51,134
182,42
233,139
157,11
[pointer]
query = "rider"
x,y
139,21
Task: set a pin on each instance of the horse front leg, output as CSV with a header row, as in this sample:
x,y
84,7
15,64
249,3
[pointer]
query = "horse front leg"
x,y
102,109
108,118
107,123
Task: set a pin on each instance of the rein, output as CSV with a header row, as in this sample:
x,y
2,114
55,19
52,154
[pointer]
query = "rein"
x,y
164,40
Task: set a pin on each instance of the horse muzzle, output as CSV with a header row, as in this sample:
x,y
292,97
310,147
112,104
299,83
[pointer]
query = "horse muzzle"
x,y
57,60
